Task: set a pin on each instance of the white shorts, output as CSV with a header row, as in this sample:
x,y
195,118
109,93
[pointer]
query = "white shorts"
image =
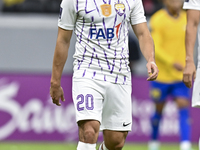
x,y
106,102
196,91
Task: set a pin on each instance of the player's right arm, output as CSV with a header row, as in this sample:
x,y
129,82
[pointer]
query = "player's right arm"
x,y
193,17
60,57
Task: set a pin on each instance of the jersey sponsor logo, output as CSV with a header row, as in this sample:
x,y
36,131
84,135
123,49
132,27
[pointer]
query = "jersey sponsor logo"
x,y
106,10
126,124
120,8
60,14
109,33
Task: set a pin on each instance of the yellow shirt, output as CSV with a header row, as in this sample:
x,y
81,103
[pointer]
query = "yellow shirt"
x,y
12,2
169,37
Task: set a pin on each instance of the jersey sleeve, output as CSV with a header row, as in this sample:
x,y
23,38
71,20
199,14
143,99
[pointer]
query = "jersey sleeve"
x,y
68,15
137,14
192,4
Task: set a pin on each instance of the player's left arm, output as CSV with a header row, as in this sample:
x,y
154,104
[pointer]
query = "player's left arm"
x,y
60,57
189,73
147,47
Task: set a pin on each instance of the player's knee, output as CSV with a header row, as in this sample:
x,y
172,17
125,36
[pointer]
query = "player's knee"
x,y
88,131
119,145
159,107
182,103
116,142
115,145
89,136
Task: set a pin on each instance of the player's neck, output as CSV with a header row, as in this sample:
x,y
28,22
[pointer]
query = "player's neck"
x,y
174,14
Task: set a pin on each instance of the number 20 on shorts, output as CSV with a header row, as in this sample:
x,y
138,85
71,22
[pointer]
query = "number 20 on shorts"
x,y
86,101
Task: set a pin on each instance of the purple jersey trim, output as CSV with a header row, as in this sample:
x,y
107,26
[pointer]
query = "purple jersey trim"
x,y
82,30
87,12
84,73
80,62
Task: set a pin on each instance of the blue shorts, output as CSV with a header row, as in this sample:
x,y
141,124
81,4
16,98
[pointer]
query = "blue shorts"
x,y
160,91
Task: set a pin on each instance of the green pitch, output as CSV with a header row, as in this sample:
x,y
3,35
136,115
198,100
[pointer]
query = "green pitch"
x,y
72,146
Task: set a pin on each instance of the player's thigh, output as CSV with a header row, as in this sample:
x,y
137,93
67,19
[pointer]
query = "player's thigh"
x,y
159,91
117,108
114,138
88,100
181,94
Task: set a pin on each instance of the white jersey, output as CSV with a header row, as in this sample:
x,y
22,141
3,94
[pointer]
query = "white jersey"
x,y
101,28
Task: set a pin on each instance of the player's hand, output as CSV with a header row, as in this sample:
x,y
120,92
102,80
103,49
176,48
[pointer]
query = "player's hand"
x,y
189,74
57,93
178,66
152,71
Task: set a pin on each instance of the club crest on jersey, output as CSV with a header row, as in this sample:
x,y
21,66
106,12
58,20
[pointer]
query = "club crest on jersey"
x,y
120,8
106,10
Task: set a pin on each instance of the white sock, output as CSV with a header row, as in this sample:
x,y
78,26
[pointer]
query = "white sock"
x,y
86,146
185,145
154,145
102,147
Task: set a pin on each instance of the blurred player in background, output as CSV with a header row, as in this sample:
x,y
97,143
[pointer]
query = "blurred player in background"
x,y
189,74
168,31
102,78
12,2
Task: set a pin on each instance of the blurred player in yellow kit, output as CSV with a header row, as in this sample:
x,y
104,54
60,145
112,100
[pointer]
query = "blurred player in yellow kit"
x,y
12,2
168,31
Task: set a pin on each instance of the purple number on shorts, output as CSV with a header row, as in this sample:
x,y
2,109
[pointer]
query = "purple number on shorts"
x,y
80,102
89,102
89,97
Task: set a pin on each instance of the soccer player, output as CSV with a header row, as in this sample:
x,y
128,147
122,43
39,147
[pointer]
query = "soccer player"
x,y
102,78
168,31
193,18
189,74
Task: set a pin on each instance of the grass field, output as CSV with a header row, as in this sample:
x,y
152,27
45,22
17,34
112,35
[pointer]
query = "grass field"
x,y
69,146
